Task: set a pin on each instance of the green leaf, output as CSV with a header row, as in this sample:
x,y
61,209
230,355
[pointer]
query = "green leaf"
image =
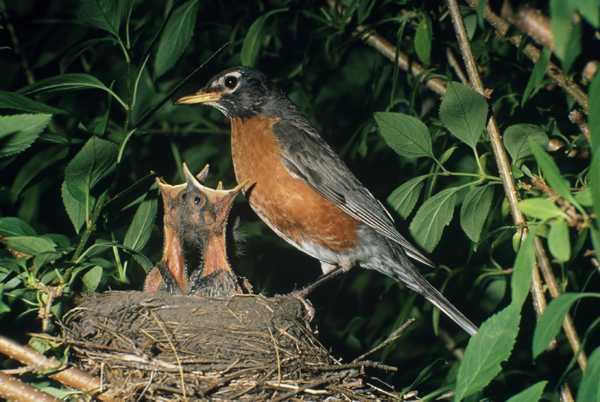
x,y
104,14
30,245
19,131
558,240
594,113
423,40
537,76
254,39
551,320
16,101
551,172
36,165
93,162
590,10
176,37
11,226
405,134
70,82
584,197
516,140
140,229
405,196
487,349
589,391
435,214
521,278
540,208
464,113
574,48
475,209
561,24
531,394
595,184
91,279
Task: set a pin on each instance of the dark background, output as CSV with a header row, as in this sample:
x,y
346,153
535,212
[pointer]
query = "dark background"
x,y
339,82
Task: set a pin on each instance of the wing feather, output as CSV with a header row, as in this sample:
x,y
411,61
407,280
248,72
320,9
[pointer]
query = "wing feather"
x,y
308,157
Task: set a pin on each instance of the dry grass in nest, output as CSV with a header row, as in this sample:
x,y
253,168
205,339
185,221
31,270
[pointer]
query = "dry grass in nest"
x,y
159,347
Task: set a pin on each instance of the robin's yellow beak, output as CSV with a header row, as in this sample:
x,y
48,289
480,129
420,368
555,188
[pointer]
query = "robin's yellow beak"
x,y
202,96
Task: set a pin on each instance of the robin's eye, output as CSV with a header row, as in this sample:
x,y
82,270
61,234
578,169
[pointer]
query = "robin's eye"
x,y
197,200
231,82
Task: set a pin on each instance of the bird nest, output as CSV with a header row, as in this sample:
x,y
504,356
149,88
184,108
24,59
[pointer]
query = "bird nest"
x,y
160,347
191,334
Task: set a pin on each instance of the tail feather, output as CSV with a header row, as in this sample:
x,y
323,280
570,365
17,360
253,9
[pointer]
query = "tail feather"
x,y
422,286
403,270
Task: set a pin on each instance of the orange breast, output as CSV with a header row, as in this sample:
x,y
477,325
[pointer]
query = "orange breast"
x,y
289,205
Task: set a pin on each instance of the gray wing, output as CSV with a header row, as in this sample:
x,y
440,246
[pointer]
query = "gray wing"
x,y
308,157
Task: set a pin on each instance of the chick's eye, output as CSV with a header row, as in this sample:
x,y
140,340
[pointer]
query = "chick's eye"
x,y
231,82
197,200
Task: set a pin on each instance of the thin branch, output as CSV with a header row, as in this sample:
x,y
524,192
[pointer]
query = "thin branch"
x,y
13,389
71,377
17,49
576,117
533,53
390,339
389,51
535,24
456,66
505,174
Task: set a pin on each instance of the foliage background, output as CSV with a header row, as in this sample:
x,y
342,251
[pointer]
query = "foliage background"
x,y
80,153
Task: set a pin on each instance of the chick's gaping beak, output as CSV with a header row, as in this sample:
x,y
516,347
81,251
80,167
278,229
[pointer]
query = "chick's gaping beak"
x,y
202,96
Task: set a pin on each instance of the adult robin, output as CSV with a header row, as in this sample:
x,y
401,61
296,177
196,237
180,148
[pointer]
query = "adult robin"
x,y
304,192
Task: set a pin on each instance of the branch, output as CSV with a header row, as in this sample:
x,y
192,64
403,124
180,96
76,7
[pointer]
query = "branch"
x,y
507,179
535,24
13,389
17,48
71,377
389,51
533,53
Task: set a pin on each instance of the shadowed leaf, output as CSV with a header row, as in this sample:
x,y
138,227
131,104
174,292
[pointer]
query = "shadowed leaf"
x,y
551,320
93,162
475,209
516,139
558,240
254,38
404,198
431,219
176,37
464,113
405,134
16,101
589,391
19,131
531,394
140,229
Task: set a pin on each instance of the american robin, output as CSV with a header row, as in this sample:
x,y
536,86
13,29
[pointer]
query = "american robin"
x,y
304,192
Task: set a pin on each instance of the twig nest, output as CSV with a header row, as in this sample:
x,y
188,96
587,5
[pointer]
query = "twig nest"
x,y
247,347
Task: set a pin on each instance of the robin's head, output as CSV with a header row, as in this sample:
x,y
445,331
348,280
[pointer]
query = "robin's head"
x,y
236,92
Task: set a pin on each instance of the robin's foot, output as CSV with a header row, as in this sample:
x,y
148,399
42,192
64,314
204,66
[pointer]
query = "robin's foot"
x,y
308,307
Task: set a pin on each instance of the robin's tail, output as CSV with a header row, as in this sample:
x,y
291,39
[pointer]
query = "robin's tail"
x,y
403,270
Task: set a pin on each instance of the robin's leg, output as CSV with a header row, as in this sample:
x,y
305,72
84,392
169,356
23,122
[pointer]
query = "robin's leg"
x,y
330,271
